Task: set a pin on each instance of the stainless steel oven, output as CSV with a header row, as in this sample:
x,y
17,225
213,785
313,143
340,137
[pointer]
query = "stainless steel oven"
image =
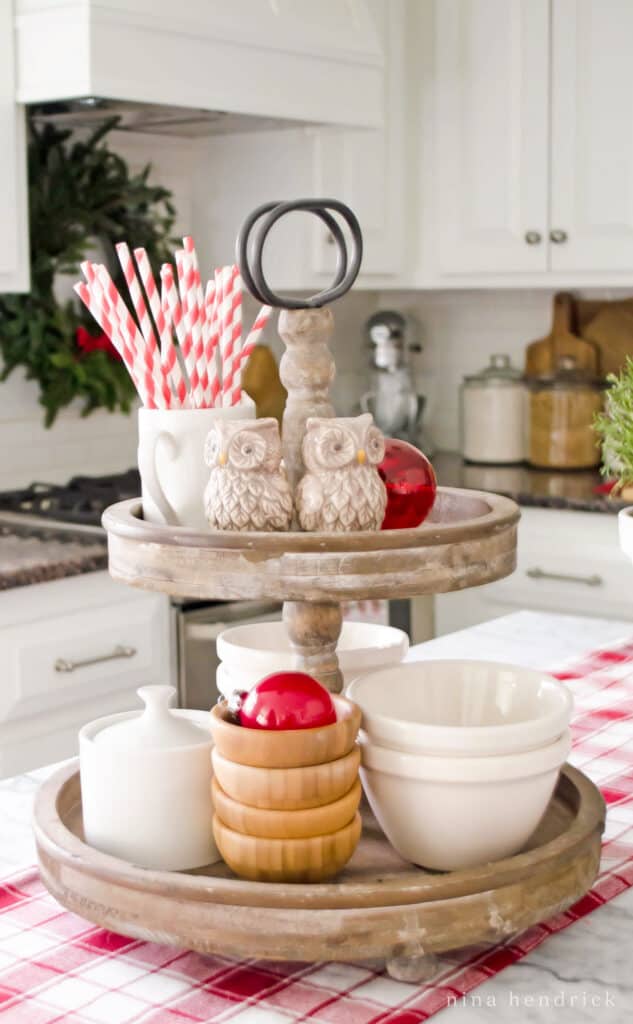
x,y
199,624
197,629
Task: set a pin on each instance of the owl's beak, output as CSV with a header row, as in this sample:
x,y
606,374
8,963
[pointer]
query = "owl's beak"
x,y
361,455
222,458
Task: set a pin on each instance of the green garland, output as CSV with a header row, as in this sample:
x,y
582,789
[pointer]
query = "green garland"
x,y
80,193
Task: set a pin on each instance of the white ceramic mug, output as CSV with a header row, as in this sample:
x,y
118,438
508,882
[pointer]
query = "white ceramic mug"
x,y
171,461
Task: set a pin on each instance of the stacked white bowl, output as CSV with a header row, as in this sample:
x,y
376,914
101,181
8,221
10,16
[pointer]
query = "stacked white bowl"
x,y
460,758
250,652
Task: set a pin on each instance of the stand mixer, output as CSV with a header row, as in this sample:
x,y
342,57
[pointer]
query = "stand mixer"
x,y
392,400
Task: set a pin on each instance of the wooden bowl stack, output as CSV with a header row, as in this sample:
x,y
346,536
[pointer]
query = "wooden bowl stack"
x,y
286,802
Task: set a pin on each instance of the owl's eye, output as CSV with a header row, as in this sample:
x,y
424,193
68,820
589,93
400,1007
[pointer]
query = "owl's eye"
x,y
334,448
375,446
247,450
212,449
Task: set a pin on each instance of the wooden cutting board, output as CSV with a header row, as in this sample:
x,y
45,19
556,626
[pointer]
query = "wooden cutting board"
x,y
611,329
542,356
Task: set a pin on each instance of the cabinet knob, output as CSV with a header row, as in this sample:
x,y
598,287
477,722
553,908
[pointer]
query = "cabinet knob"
x,y
533,237
558,236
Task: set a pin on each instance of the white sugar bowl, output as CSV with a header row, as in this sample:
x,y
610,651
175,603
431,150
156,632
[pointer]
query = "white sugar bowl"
x,y
146,784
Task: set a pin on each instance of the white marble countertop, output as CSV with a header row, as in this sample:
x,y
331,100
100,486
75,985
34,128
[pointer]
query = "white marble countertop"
x,y
582,974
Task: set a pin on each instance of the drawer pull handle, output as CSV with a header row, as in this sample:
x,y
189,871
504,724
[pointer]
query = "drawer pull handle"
x,y
63,665
564,577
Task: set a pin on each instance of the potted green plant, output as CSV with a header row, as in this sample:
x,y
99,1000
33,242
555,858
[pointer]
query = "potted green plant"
x,y
615,429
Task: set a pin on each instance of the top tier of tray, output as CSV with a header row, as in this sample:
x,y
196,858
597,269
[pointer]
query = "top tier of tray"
x,y
469,539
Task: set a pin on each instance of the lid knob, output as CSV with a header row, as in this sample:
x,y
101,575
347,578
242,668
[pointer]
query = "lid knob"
x,y
157,699
500,362
157,727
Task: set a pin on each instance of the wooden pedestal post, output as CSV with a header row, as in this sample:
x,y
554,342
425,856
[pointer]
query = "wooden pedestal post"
x,y
306,370
314,629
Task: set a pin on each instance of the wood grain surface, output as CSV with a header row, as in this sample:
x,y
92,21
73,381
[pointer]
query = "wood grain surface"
x,y
380,906
469,539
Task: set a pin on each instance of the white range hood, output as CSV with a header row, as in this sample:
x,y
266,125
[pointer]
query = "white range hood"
x,y
207,65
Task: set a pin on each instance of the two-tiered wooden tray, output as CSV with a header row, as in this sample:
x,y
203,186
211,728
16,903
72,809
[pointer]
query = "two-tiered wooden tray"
x,y
380,907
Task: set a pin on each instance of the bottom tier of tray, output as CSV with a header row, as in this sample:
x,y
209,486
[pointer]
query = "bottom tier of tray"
x,y
380,907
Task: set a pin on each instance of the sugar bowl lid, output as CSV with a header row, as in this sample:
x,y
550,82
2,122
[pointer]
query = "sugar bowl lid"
x,y
157,727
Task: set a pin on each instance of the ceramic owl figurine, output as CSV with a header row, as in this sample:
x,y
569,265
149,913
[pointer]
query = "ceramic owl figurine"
x,y
248,488
341,489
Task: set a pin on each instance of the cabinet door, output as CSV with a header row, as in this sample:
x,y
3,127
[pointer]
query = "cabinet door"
x,y
592,135
14,268
366,168
550,576
491,135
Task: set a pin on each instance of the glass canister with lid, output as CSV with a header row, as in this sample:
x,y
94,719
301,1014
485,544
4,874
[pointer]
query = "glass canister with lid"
x,y
563,407
493,414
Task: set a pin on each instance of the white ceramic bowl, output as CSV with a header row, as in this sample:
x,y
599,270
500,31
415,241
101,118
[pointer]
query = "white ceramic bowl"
x,y
250,652
625,526
461,708
449,813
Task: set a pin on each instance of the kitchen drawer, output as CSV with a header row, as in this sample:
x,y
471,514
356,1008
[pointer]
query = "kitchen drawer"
x,y
566,562
81,652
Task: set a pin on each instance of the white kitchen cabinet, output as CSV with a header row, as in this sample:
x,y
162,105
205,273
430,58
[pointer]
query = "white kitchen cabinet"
x,y
566,562
14,239
592,136
73,650
491,131
528,127
365,168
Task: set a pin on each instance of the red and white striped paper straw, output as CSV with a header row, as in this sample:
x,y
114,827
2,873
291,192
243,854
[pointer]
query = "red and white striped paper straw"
x,y
108,313
198,322
123,336
145,366
98,309
211,340
168,354
232,381
185,282
255,333
151,352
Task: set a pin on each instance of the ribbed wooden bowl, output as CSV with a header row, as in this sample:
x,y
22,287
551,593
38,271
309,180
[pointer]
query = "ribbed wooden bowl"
x,y
313,821
314,859
287,789
289,748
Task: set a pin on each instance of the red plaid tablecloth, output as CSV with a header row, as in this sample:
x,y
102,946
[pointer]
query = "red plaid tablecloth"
x,y
55,967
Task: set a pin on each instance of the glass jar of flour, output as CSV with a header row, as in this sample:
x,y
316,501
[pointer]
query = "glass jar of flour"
x,y
494,414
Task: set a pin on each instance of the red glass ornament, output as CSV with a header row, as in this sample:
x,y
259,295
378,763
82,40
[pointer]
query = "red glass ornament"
x,y
411,485
287,700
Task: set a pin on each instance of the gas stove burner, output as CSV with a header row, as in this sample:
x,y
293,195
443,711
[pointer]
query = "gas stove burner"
x,y
81,501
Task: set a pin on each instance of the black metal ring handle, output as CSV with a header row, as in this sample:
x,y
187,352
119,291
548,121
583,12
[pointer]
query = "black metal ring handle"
x,y
249,252
255,281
